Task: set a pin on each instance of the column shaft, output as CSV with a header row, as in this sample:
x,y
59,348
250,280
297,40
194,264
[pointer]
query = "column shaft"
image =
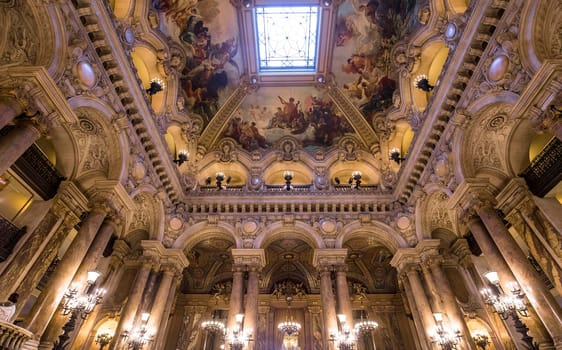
x,y
53,293
236,297
540,298
9,109
344,301
450,306
15,143
421,301
416,316
160,299
252,303
131,307
328,305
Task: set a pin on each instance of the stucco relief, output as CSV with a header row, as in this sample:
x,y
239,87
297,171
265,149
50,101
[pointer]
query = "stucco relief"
x,y
141,217
548,30
439,214
19,42
92,147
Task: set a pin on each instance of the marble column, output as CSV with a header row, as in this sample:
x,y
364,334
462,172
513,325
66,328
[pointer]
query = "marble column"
x,y
53,292
89,263
110,283
538,295
236,296
474,284
328,304
325,261
495,259
131,307
9,109
38,248
342,290
252,303
160,336
173,263
420,299
450,306
17,141
416,317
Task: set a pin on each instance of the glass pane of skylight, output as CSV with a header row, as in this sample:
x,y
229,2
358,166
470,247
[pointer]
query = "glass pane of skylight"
x,y
287,38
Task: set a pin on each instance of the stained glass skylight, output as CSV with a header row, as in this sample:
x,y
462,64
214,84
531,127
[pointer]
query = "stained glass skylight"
x,y
287,38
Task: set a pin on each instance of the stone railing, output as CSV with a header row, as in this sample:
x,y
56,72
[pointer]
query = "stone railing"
x,y
13,337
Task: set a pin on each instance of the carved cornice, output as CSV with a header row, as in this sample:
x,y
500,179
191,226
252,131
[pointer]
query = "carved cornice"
x,y
471,193
543,88
513,195
113,194
36,91
253,258
172,258
102,30
328,258
479,31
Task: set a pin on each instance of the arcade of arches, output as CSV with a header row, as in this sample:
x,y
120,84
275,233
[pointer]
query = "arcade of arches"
x,y
145,140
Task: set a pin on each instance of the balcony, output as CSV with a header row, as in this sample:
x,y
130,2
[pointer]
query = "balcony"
x,y
545,171
9,237
13,337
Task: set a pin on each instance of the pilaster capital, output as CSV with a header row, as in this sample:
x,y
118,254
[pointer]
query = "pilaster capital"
x,y
120,249
172,258
113,195
461,249
513,195
471,195
329,258
251,258
404,259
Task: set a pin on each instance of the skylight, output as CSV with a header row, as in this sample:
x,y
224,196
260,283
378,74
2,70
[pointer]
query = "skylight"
x,y
287,38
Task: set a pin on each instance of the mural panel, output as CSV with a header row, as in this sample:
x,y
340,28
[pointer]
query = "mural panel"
x,y
209,32
366,31
271,113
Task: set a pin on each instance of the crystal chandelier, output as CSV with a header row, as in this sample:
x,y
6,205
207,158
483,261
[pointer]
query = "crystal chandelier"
x,y
365,325
237,338
445,338
214,326
344,339
289,327
503,304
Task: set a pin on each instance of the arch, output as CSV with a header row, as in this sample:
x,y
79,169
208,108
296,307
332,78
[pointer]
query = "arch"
x,y
201,231
302,231
432,59
377,231
145,61
528,36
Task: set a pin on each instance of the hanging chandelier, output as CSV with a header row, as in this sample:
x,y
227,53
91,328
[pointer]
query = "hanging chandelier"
x,y
365,325
214,326
289,327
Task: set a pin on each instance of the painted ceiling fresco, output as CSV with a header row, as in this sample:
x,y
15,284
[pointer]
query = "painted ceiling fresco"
x,y
271,113
365,33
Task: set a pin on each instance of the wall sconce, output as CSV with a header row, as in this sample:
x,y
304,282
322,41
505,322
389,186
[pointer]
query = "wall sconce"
x,y
288,176
79,305
103,339
156,85
394,154
237,339
355,180
219,177
181,157
140,335
446,339
508,305
344,338
481,340
422,82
